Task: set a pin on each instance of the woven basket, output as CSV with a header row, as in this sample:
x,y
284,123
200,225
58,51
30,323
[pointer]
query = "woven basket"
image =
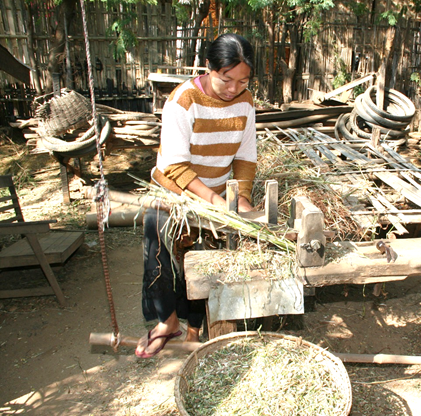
x,y
331,363
62,113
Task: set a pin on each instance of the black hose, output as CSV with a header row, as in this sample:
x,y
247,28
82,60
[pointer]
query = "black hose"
x,y
386,133
366,116
85,146
105,133
396,100
369,115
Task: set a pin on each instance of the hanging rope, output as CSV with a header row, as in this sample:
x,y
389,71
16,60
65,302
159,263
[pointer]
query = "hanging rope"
x,y
101,198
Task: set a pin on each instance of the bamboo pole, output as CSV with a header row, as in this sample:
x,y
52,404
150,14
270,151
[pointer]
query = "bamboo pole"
x,y
379,358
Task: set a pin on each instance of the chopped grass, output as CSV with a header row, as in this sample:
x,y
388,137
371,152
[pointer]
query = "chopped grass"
x,y
251,377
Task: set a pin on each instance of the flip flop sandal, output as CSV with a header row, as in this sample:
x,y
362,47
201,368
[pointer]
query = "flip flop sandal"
x,y
145,354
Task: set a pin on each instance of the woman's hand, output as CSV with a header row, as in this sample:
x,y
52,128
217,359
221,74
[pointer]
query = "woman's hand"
x,y
244,205
201,190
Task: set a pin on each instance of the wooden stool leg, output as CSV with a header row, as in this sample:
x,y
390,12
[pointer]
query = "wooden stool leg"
x,y
46,268
218,328
65,183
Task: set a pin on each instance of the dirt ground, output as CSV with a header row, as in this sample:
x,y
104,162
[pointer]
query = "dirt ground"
x,y
49,367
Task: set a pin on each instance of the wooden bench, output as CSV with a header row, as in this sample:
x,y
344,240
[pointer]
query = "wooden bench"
x,y
39,246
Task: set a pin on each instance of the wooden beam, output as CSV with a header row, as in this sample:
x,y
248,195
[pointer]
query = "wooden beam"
x,y
13,67
362,263
350,85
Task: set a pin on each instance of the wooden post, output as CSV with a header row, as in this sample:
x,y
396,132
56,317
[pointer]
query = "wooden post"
x,y
271,201
225,327
232,205
311,241
218,328
64,182
63,164
382,81
375,139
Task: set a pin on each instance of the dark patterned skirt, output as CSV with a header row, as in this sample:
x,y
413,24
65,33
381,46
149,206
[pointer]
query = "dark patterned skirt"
x,y
164,285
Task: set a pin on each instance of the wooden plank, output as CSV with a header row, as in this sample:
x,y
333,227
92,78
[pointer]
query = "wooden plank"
x,y
310,241
406,175
218,328
56,246
25,227
404,188
23,293
393,219
347,86
400,159
310,153
255,299
362,263
344,149
46,268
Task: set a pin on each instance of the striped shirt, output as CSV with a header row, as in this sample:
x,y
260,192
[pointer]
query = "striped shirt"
x,y
206,138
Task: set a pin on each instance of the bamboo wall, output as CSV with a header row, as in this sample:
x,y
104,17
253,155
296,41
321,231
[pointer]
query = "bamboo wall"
x,y
162,43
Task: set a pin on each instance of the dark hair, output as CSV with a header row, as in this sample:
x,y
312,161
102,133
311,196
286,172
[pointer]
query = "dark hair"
x,y
229,50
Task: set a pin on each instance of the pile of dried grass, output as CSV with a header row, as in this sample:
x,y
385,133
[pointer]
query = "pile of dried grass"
x,y
250,256
297,178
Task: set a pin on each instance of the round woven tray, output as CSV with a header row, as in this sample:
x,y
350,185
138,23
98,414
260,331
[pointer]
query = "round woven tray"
x,y
61,113
331,363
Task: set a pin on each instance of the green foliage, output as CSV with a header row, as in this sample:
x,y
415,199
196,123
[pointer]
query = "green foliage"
x,y
416,6
125,36
311,6
416,77
112,3
260,4
231,5
358,90
182,11
359,9
342,77
393,16
288,9
312,9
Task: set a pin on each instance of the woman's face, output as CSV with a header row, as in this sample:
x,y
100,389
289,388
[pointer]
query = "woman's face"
x,y
226,84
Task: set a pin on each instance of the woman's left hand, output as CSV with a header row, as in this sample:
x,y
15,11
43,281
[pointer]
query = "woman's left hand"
x,y
244,205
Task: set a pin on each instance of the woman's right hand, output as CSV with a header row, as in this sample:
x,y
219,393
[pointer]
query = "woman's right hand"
x,y
201,190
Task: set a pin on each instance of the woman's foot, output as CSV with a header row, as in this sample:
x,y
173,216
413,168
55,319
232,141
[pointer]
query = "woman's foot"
x,y
155,340
192,334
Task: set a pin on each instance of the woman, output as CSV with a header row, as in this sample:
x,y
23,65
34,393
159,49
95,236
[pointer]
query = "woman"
x,y
208,134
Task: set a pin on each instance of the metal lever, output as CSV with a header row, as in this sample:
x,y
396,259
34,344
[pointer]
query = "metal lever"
x,y
391,254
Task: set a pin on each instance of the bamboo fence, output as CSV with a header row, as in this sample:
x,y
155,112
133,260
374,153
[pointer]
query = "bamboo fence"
x,y
164,45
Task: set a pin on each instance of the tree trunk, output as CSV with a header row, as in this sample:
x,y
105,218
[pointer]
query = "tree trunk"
x,y
270,23
58,40
289,68
31,51
200,14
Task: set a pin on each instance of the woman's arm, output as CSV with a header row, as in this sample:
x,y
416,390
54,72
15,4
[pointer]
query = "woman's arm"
x,y
200,189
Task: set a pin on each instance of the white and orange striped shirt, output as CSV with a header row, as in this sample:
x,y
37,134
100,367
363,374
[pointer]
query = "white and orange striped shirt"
x,y
206,138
